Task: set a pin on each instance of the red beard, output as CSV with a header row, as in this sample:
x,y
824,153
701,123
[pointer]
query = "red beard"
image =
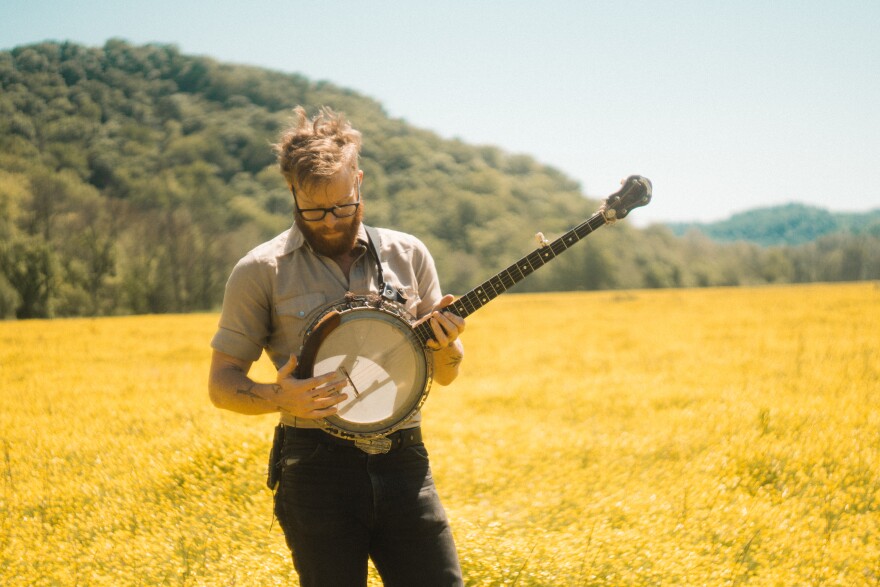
x,y
342,238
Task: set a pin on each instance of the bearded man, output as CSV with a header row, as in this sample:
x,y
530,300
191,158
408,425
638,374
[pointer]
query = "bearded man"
x,y
338,505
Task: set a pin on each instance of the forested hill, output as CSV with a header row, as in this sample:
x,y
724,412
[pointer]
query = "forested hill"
x,y
789,224
132,178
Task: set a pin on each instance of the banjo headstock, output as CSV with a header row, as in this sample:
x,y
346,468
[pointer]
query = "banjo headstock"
x,y
635,193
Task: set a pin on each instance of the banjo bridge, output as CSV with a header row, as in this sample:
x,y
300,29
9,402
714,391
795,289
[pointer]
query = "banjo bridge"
x,y
347,376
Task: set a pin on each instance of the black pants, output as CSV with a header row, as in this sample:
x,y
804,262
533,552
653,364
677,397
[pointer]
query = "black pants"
x,y
339,506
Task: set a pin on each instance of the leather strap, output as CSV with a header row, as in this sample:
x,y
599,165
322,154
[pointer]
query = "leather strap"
x,y
374,242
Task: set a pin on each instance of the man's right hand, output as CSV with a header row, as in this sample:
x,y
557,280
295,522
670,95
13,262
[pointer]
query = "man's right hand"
x,y
312,398
231,389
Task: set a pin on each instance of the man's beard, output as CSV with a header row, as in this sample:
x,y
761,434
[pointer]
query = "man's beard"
x,y
343,241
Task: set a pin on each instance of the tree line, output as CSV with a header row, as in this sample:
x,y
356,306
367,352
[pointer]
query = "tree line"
x,y
786,224
132,178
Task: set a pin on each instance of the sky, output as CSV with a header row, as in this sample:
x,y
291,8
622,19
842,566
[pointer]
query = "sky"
x,y
725,105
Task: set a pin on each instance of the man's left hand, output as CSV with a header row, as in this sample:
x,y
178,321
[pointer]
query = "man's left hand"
x,y
445,326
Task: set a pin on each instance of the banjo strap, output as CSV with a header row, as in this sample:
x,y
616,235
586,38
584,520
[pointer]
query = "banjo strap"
x,y
374,243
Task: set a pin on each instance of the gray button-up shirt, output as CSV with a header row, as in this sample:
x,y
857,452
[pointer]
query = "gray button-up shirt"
x,y
273,290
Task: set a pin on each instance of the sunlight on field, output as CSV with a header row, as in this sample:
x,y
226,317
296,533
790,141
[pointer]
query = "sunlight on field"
x,y
692,437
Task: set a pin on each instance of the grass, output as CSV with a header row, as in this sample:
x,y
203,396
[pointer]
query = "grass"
x,y
691,437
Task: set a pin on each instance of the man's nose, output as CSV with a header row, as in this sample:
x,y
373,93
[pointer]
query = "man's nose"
x,y
330,219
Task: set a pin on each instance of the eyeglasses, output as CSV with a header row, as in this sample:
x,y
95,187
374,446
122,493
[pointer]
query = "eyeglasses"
x,y
339,211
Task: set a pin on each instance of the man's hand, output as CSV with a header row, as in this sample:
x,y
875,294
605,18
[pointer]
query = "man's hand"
x,y
312,398
448,350
445,326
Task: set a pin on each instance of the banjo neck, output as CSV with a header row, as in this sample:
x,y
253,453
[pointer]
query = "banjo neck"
x,y
636,191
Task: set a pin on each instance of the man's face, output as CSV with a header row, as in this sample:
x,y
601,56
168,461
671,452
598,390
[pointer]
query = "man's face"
x,y
330,236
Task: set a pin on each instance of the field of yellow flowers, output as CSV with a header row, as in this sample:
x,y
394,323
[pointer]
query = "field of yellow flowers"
x,y
664,437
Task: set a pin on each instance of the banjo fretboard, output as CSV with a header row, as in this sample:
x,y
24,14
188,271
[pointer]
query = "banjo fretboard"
x,y
504,280
636,192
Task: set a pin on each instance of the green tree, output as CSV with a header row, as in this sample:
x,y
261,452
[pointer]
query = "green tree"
x,y
29,266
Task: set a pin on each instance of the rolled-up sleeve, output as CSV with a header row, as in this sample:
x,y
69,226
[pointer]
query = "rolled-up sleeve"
x,y
245,321
426,277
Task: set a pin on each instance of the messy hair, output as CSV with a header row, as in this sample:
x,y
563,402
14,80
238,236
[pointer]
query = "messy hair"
x,y
311,151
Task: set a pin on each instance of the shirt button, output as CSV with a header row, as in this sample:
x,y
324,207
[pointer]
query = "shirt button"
x,y
301,314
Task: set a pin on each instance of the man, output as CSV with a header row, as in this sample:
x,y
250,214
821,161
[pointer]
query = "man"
x,y
337,504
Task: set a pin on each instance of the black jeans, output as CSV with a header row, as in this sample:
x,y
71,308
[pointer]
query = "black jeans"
x,y
339,506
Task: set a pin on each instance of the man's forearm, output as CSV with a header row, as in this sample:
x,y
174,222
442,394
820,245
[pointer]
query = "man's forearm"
x,y
232,389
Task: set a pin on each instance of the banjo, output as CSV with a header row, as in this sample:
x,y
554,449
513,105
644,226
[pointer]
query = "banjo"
x,y
382,351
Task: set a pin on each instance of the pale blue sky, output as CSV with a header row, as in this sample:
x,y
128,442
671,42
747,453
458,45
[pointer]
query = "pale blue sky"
x,y
725,106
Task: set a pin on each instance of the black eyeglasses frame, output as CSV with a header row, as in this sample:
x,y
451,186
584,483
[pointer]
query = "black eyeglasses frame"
x,y
353,206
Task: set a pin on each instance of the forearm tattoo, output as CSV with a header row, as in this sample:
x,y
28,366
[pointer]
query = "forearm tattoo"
x,y
455,360
248,392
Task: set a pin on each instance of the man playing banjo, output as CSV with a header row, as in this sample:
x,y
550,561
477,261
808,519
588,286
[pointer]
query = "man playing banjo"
x,y
340,500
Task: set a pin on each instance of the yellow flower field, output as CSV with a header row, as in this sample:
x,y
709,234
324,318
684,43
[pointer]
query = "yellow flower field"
x,y
664,437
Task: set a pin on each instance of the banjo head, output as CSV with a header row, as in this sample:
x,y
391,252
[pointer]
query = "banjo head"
x,y
388,370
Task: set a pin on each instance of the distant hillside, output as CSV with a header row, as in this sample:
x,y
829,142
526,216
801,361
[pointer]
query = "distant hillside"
x,y
132,178
789,224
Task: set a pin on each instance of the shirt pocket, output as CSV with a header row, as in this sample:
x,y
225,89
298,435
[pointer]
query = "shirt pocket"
x,y
295,315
